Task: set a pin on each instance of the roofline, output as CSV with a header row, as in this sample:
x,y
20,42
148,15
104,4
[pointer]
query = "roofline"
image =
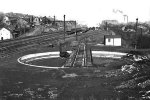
x,y
112,36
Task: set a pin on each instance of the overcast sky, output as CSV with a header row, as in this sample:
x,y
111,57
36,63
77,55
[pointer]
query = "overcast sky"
x,y
90,12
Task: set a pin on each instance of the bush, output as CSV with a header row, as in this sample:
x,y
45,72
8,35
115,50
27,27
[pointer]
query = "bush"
x,y
144,42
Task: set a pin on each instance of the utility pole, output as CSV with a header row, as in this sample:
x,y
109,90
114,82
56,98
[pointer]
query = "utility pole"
x,y
54,19
141,38
136,23
106,25
127,18
60,48
76,30
64,27
136,33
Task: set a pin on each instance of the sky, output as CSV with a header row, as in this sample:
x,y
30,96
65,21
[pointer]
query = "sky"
x,y
89,12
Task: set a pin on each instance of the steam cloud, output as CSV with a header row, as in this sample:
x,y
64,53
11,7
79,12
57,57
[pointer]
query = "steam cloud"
x,y
117,11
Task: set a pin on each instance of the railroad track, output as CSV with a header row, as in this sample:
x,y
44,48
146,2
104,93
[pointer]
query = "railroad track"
x,y
9,47
31,39
81,55
25,40
12,46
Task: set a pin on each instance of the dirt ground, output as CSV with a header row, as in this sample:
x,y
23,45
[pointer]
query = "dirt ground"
x,y
109,79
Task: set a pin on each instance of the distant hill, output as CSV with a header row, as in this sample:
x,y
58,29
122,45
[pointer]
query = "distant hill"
x,y
17,15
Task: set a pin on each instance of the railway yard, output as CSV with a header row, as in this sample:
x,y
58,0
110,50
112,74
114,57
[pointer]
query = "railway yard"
x,y
84,75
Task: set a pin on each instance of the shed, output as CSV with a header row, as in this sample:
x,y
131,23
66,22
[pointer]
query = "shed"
x,y
5,33
112,40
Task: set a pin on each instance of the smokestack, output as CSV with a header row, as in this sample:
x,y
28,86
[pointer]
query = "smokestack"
x,y
124,16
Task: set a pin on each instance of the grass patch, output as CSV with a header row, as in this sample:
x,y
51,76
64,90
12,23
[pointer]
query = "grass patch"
x,y
108,63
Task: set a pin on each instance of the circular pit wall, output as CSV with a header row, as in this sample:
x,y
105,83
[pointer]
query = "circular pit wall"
x,y
55,62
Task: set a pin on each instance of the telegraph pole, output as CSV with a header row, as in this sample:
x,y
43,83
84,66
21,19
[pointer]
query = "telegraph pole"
x,y
106,25
64,27
136,32
76,30
136,23
54,19
141,38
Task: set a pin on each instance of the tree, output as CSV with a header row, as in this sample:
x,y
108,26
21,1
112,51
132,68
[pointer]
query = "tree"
x,y
1,18
22,25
